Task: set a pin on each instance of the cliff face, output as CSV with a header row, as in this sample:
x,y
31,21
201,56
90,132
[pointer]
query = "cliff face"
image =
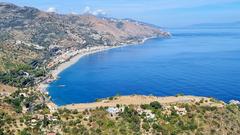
x,y
31,37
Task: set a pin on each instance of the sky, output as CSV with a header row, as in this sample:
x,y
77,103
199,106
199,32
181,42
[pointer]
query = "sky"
x,y
165,13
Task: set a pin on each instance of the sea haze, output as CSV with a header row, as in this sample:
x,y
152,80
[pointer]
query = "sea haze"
x,y
201,62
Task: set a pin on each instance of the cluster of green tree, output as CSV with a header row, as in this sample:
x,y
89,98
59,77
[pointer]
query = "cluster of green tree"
x,y
21,76
132,118
16,103
23,98
153,105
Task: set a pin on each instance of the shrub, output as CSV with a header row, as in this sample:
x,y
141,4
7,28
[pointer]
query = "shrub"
x,y
123,131
146,126
145,106
111,98
156,127
201,101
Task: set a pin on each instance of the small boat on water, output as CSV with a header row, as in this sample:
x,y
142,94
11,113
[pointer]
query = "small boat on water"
x,y
61,85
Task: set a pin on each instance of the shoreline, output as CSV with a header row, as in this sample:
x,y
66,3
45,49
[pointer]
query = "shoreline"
x,y
43,86
60,68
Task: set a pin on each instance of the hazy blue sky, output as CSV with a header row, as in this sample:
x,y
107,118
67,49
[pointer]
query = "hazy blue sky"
x,y
167,13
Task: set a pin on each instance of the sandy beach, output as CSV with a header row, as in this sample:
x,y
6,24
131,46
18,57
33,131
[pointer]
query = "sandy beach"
x,y
75,59
137,100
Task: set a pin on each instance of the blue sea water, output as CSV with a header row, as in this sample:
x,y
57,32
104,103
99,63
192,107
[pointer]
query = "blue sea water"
x,y
202,62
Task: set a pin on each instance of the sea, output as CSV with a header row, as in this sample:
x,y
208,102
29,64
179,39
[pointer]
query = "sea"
x,y
194,61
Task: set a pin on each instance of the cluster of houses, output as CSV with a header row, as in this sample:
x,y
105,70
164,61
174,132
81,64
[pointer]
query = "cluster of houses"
x,y
115,111
180,111
148,113
63,55
38,47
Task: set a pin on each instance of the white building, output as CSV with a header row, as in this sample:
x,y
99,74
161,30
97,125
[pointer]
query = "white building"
x,y
114,110
149,114
235,102
180,111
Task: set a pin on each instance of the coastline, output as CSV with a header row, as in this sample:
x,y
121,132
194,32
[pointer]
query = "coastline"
x,y
91,50
123,100
43,86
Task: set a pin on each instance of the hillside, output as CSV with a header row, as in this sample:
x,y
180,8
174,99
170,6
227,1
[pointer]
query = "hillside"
x,y
30,39
28,112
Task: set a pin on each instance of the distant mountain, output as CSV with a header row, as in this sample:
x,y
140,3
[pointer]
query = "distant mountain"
x,y
30,37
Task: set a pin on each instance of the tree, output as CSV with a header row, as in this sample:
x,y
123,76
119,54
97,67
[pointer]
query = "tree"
x,y
156,105
156,127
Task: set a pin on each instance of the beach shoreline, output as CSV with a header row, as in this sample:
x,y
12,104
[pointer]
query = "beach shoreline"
x,y
43,86
60,68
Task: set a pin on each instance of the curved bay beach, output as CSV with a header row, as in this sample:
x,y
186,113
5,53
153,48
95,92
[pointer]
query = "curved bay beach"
x,y
53,74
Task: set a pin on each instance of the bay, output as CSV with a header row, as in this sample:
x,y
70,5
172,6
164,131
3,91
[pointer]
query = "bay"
x,y
201,62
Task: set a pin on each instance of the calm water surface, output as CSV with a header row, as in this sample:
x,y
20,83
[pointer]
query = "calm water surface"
x,y
203,62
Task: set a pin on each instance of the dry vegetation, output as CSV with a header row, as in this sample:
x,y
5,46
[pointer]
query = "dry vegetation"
x,y
26,112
